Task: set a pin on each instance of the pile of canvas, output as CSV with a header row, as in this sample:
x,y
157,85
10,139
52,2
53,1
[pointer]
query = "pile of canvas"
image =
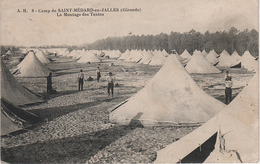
x,y
199,64
233,134
171,97
15,92
31,67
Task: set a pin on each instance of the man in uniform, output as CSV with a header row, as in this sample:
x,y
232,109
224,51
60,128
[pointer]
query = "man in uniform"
x,y
81,80
110,79
228,89
49,84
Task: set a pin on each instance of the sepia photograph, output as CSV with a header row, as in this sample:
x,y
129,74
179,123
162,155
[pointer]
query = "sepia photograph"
x,y
137,81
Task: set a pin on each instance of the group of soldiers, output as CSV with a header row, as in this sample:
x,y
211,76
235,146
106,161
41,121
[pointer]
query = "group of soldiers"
x,y
110,80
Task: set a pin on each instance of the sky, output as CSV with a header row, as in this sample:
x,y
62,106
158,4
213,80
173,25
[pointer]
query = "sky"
x,y
156,16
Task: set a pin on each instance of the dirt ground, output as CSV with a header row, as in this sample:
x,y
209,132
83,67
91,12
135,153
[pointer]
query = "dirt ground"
x,y
75,127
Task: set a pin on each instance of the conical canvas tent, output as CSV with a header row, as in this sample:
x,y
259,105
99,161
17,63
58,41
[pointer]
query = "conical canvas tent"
x,y
170,98
225,60
183,61
8,52
88,57
204,53
229,137
157,59
124,55
199,64
31,67
13,91
248,62
14,118
147,56
165,53
43,59
235,59
185,54
212,57
135,56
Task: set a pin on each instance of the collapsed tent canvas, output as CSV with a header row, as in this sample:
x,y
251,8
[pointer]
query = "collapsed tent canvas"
x,y
31,67
199,64
14,118
14,91
237,137
171,97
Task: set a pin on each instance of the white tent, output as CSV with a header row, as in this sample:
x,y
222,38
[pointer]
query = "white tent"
x,y
212,57
170,98
183,61
147,56
165,53
8,52
13,91
229,137
225,59
43,59
204,53
88,57
235,58
135,56
248,62
185,54
125,55
31,67
158,58
199,64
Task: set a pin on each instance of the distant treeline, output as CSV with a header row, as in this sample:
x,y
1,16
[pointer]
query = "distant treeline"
x,y
192,40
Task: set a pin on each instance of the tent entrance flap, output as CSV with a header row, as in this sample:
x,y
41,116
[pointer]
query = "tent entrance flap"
x,y
201,153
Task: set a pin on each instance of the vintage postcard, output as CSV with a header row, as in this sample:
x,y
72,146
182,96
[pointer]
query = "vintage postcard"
x,y
138,81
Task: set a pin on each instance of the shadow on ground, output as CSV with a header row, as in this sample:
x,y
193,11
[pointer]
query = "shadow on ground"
x,y
52,113
76,149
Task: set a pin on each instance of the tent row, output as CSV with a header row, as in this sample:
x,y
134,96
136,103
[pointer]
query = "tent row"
x,y
155,57
223,60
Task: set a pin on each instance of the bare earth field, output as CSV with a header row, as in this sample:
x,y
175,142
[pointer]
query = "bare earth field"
x,y
75,127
